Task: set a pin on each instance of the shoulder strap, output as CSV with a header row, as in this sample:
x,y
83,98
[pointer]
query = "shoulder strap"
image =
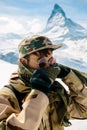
x,y
18,94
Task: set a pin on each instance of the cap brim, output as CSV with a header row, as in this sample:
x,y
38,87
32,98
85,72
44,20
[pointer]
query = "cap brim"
x,y
54,47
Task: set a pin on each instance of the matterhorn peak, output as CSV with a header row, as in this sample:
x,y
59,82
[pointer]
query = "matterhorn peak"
x,y
57,9
57,17
64,27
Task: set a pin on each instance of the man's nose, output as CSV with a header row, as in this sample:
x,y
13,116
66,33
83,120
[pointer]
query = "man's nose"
x,y
42,62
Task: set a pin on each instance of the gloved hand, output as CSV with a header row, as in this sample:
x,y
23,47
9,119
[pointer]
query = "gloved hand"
x,y
40,80
63,71
57,71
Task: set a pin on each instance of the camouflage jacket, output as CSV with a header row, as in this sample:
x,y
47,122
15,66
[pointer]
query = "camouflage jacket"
x,y
39,112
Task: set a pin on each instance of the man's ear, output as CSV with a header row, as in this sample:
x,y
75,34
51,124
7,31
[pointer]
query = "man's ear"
x,y
23,60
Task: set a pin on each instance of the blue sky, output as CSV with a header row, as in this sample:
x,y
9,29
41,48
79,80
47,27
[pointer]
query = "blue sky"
x,y
73,8
41,10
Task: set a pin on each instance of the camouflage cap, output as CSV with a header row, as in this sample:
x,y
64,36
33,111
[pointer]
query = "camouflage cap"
x,y
35,43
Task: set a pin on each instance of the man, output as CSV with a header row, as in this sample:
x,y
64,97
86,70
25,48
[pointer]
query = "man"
x,y
33,100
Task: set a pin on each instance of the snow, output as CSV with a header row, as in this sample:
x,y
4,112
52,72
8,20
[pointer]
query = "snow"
x,y
5,71
78,125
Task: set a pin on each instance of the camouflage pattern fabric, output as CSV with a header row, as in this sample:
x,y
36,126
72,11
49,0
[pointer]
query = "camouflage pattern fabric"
x,y
58,99
82,75
35,43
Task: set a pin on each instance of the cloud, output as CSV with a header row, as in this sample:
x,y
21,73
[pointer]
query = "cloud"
x,y
8,25
22,25
35,25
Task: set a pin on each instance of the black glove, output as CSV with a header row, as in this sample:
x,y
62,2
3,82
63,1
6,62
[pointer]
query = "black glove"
x,y
63,71
40,80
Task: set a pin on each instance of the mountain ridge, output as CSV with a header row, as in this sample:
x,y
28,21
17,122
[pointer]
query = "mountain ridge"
x,y
69,28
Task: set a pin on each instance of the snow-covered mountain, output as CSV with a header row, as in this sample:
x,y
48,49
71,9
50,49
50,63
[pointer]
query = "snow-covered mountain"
x,y
59,29
64,27
8,47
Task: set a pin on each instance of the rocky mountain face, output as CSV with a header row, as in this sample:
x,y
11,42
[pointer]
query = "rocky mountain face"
x,y
61,26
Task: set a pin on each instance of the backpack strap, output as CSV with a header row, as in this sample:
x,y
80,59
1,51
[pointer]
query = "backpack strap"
x,y
18,94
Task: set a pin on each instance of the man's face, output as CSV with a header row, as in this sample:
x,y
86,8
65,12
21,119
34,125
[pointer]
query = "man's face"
x,y
37,61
